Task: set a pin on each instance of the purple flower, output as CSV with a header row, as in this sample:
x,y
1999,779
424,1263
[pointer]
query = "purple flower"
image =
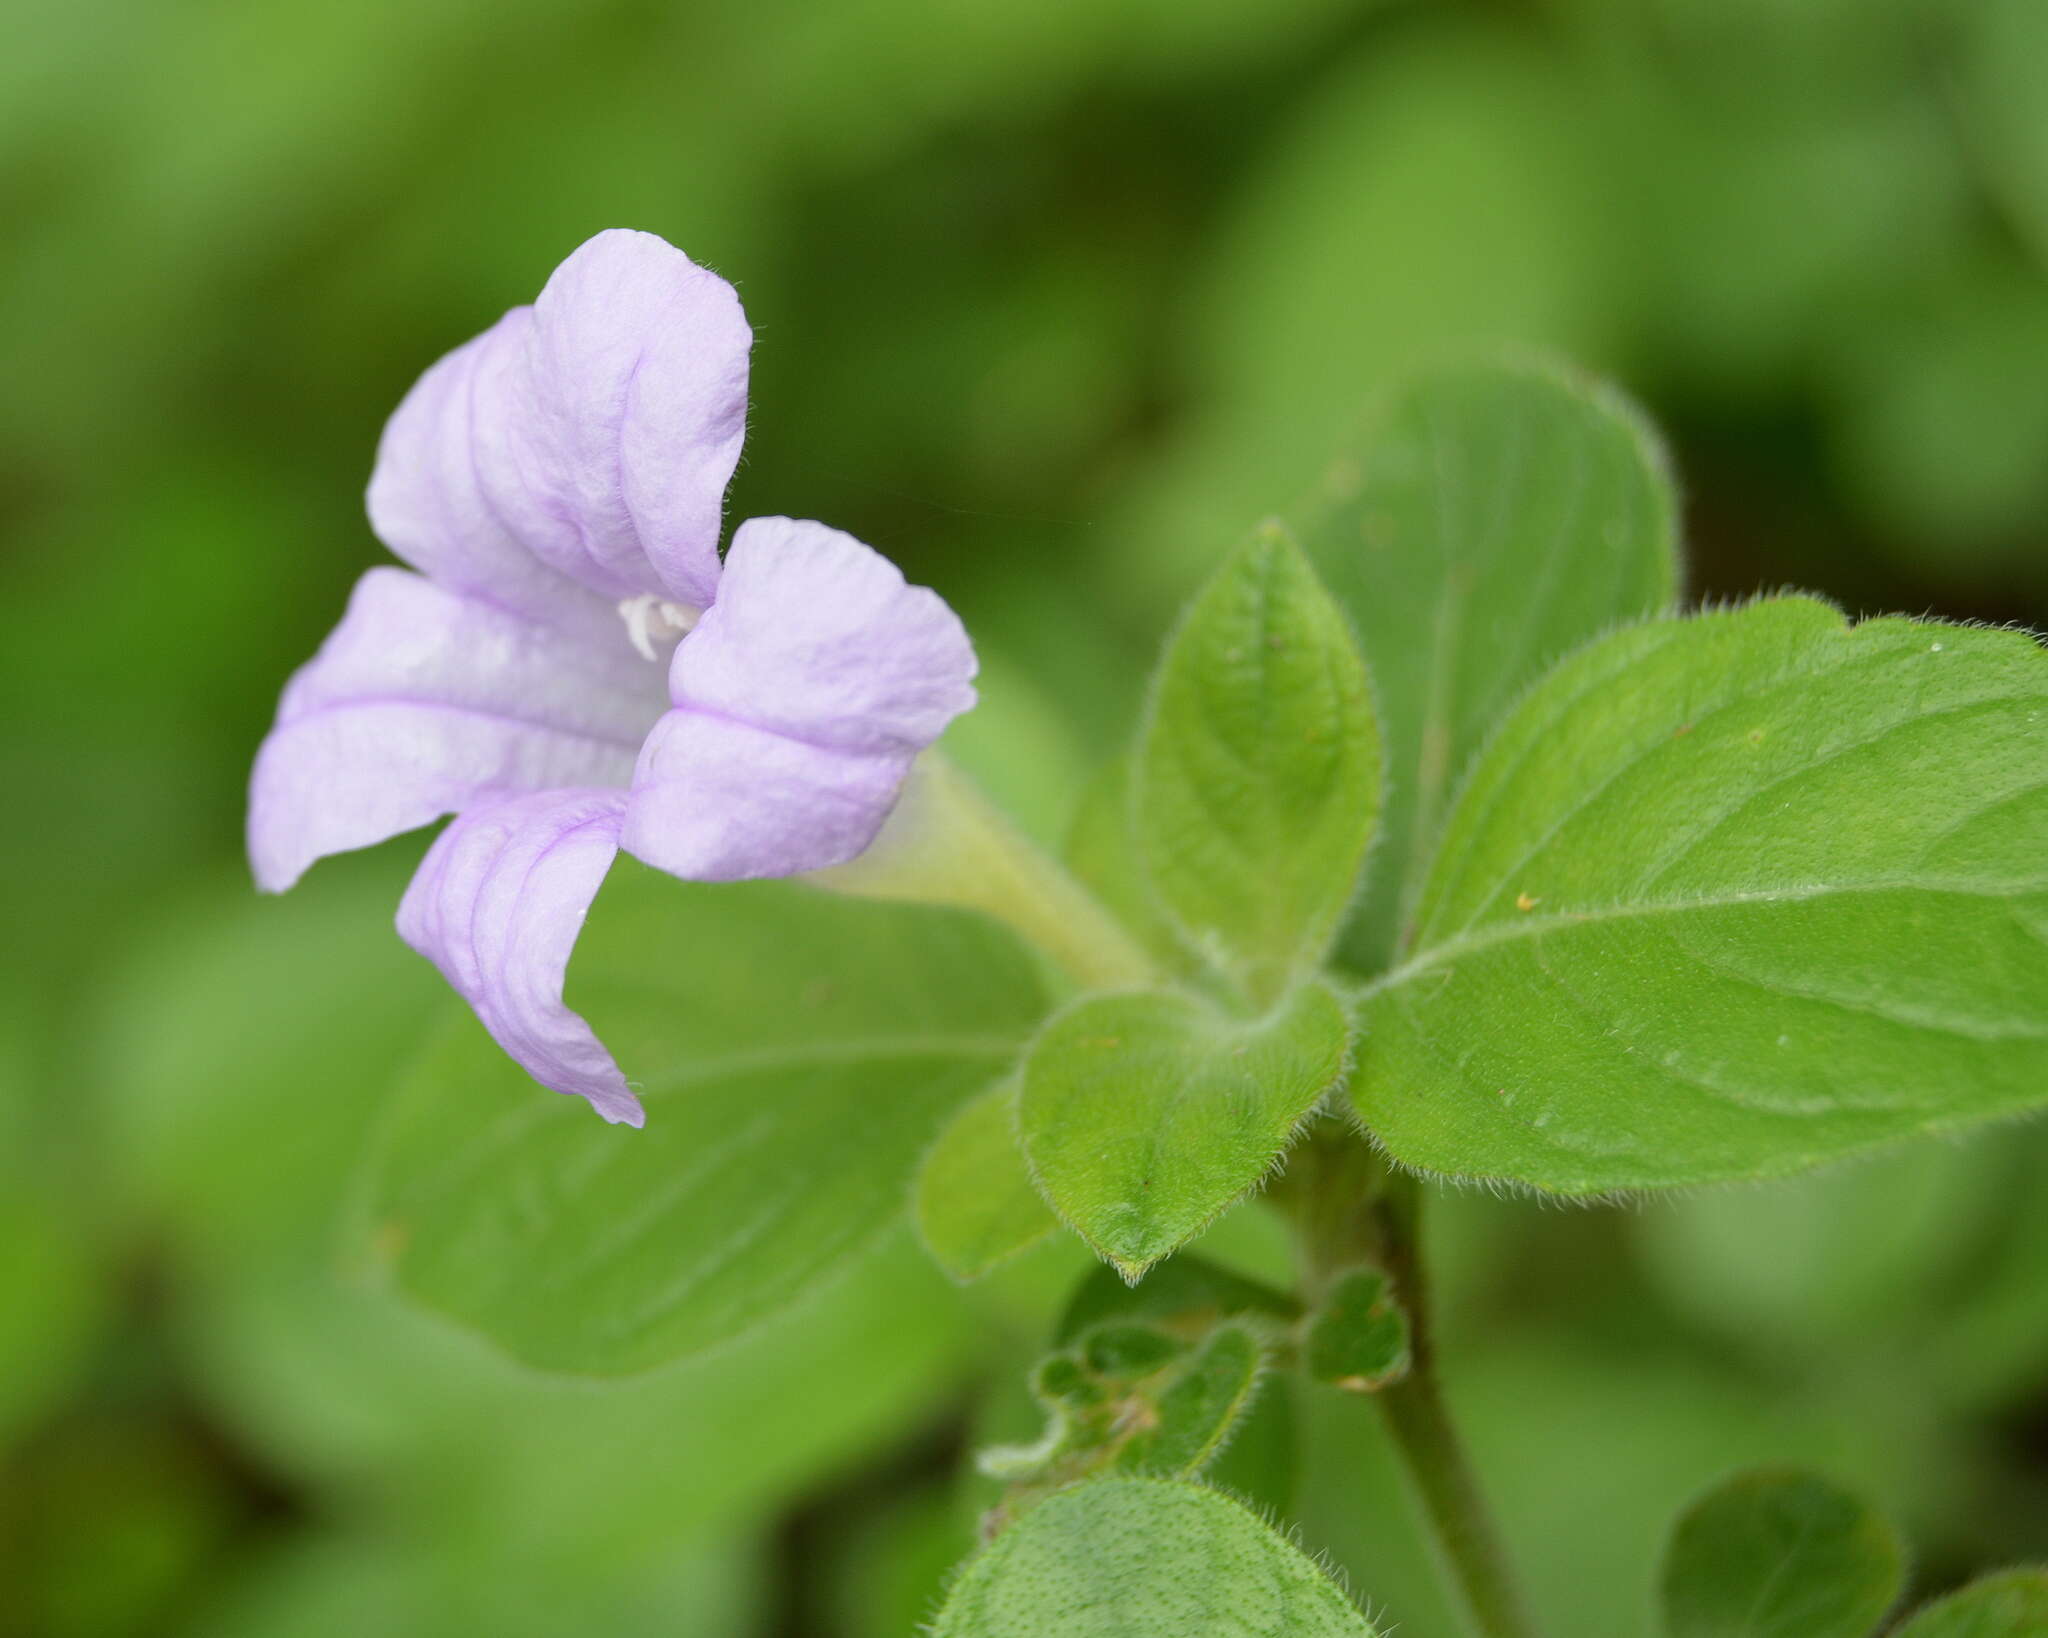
x,y
558,484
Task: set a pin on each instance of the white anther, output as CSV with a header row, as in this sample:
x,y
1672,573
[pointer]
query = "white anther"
x,y
651,619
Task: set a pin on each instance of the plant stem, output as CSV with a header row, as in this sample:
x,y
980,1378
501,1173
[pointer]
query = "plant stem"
x,y
948,844
1384,1228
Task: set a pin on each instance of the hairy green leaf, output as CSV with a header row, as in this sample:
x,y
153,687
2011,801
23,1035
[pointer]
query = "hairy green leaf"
x,y
1729,896
1134,1558
1188,1293
797,1053
1133,1398
1495,517
1779,1553
2009,1604
976,1203
1198,1412
1257,778
1358,1339
1144,1115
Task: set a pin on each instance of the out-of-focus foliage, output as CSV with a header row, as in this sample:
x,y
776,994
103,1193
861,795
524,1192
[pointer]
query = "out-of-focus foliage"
x,y
779,1164
1055,301
1777,1552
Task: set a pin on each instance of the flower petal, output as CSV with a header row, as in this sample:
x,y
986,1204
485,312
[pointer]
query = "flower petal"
x,y
589,437
801,700
497,905
723,801
422,702
817,637
428,500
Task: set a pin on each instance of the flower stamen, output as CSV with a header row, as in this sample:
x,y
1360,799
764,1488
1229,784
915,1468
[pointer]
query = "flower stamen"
x,y
651,619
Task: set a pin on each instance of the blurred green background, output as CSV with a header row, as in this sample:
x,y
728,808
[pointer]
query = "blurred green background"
x,y
1053,299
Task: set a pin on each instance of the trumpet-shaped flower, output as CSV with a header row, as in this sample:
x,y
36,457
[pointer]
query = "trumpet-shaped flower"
x,y
568,665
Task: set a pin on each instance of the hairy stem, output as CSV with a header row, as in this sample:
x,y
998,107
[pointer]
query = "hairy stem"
x,y
1382,1224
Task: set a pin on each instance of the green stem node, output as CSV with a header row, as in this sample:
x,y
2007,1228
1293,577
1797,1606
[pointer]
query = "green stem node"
x,y
1343,1221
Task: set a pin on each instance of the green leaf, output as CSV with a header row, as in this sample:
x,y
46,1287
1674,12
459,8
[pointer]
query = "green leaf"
x,y
1358,1338
1145,1115
1257,778
1495,517
976,1203
1102,851
1259,1464
1200,1410
797,1053
2010,1604
1839,1259
1779,1553
1134,1399
2003,54
1190,1293
1135,1558
223,1000
1727,897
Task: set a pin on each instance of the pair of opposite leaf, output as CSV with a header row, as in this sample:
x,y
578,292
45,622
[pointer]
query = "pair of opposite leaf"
x,y
1770,1554
572,668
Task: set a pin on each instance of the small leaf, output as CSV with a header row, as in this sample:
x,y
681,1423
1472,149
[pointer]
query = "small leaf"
x,y
1129,1350
1200,1409
1358,1338
1135,1398
1257,779
1779,1554
2009,1604
1144,1558
976,1204
1188,1294
797,1054
1495,517
1727,897
1145,1115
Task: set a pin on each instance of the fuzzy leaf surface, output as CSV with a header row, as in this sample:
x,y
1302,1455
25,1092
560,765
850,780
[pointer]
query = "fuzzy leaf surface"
x,y
1134,1399
1146,1114
2008,1604
1358,1339
1257,780
797,1053
1778,1553
1494,517
1144,1558
1727,897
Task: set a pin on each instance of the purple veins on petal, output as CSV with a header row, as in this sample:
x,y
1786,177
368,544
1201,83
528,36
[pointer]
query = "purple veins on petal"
x,y
800,701
422,702
497,905
587,438
558,482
